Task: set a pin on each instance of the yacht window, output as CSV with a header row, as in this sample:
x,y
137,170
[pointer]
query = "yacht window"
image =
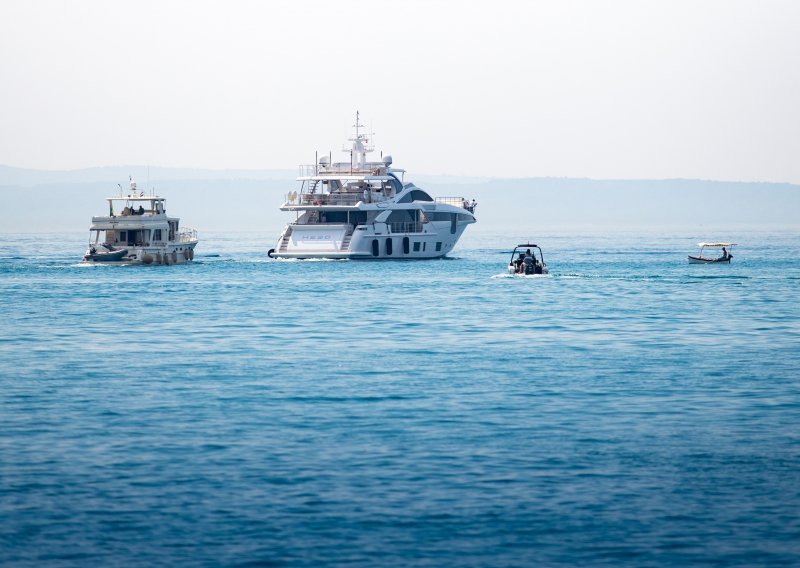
x,y
123,236
333,217
423,246
396,184
358,217
416,246
438,247
156,234
402,216
414,195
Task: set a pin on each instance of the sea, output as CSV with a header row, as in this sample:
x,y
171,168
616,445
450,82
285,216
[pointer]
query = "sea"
x,y
626,409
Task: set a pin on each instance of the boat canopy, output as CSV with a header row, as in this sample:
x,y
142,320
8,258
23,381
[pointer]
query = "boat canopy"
x,y
126,226
715,245
137,198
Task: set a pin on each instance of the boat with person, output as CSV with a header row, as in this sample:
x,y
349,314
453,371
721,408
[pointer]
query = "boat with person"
x,y
724,257
524,261
137,230
361,209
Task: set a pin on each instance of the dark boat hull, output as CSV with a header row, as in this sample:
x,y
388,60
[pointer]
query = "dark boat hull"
x,y
701,260
113,256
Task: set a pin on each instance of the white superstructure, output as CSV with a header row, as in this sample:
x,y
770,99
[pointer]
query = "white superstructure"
x,y
362,209
137,230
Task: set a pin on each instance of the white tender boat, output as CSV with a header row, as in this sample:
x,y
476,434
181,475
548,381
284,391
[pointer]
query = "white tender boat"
x,y
526,262
137,230
363,210
724,258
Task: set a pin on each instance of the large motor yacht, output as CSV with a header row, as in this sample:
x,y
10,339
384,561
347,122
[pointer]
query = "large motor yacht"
x,y
362,209
137,230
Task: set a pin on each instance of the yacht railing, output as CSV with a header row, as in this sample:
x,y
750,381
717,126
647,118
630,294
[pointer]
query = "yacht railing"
x,y
372,169
187,235
456,201
405,227
342,199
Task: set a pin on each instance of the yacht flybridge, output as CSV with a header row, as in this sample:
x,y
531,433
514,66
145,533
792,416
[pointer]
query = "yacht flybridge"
x,y
362,209
138,231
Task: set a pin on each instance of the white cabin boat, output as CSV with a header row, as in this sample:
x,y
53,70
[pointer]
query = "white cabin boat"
x,y
137,230
363,210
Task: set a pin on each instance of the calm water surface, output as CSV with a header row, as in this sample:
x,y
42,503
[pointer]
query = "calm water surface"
x,y
627,409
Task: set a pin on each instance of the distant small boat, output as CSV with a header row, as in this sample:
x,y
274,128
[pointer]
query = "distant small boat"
x,y
724,258
527,263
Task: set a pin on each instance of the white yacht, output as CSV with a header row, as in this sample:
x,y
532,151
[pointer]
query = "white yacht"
x,y
362,209
137,230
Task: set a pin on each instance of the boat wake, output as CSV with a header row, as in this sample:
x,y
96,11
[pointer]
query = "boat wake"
x,y
526,276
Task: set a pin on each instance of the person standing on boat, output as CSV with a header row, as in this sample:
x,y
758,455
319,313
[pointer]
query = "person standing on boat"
x,y
472,206
528,260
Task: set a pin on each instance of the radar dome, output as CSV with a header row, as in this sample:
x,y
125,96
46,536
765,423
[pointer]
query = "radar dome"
x,y
387,160
324,161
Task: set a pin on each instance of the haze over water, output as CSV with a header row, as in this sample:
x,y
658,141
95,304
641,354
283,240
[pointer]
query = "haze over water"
x,y
628,408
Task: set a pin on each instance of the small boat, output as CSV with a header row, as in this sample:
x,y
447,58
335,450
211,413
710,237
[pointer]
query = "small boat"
x,y
110,254
724,258
137,230
527,263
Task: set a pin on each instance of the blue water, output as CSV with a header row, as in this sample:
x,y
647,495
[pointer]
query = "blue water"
x,y
627,409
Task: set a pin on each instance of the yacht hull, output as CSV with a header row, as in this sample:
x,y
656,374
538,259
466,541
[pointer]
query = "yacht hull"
x,y
370,243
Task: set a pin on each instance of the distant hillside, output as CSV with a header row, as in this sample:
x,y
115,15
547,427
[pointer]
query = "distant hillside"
x,y
566,203
248,200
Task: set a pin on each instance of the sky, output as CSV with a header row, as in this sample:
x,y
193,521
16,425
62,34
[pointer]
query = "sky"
x,y
607,90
